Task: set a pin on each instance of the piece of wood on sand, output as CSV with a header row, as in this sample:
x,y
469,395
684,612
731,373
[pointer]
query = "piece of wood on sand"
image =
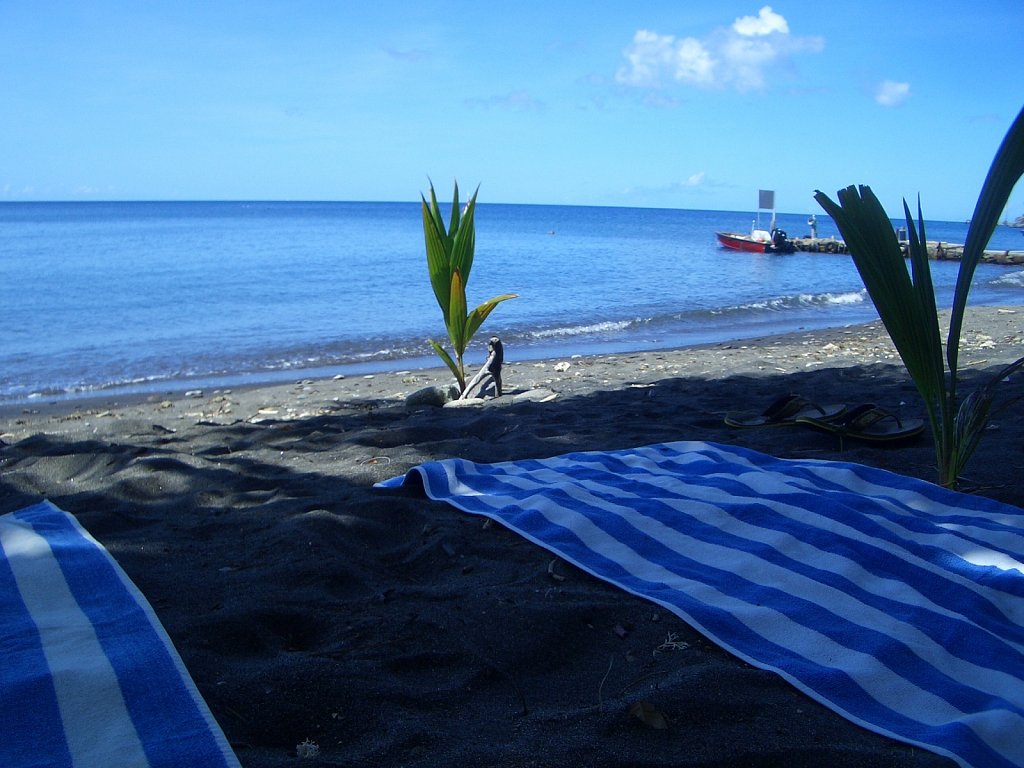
x,y
488,378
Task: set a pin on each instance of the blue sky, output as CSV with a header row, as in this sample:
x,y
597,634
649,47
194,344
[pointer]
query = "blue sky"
x,y
660,104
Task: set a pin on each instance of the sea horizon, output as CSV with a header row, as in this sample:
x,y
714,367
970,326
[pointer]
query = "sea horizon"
x,y
445,200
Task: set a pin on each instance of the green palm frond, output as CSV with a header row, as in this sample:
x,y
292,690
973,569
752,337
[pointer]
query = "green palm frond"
x,y
457,315
905,305
443,354
437,256
478,315
905,300
1006,170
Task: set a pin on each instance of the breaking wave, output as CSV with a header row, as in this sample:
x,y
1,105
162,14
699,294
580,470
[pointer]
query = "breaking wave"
x,y
609,326
799,302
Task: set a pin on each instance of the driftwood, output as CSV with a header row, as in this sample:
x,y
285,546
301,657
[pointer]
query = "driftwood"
x,y
490,374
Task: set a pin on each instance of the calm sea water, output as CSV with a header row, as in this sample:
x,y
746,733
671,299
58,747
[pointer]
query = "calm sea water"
x,y
155,296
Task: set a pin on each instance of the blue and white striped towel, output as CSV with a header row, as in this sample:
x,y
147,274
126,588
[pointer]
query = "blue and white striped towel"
x,y
88,677
898,604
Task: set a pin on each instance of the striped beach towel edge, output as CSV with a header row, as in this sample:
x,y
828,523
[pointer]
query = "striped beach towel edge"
x,y
90,676
894,602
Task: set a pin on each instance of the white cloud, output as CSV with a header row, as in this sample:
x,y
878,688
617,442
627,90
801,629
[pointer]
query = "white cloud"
x,y
734,57
694,179
652,55
891,94
694,62
766,22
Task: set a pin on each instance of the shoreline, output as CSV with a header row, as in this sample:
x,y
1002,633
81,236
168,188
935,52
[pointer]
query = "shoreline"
x,y
989,335
392,630
753,331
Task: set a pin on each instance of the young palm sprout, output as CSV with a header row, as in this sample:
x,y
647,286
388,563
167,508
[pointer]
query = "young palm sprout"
x,y
449,260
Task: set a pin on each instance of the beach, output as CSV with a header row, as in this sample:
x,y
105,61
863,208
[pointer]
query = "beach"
x,y
393,630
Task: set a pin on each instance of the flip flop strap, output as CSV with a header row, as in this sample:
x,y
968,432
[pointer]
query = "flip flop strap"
x,y
869,415
788,406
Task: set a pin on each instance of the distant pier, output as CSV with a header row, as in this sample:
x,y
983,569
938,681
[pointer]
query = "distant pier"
x,y
938,250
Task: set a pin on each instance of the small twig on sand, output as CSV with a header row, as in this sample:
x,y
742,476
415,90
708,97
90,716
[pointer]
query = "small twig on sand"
x,y
600,688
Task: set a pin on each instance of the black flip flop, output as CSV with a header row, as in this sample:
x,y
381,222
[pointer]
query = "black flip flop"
x,y
869,423
785,411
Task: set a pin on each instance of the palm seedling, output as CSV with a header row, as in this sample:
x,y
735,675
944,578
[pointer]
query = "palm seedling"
x,y
905,300
450,254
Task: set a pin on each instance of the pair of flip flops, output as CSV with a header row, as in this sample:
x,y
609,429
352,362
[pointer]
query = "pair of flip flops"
x,y
784,412
868,422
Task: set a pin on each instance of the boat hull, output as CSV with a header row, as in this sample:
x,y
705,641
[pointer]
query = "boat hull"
x,y
737,242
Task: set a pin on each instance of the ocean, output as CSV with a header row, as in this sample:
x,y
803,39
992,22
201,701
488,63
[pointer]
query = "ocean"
x,y
159,296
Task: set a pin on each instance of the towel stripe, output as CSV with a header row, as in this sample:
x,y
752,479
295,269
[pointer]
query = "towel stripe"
x,y
67,636
896,603
151,708
22,650
94,651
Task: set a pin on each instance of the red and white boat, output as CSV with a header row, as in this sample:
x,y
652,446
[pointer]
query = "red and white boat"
x,y
756,242
759,240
